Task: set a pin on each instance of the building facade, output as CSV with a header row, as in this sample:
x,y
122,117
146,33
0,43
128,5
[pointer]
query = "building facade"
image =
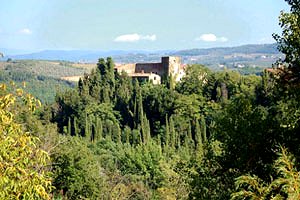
x,y
155,72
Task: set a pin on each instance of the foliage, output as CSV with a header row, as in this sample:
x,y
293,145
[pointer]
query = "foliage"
x,y
77,174
285,186
22,167
288,43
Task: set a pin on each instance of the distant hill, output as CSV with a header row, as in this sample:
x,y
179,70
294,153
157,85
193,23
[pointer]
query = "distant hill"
x,y
245,49
262,55
246,56
71,55
67,55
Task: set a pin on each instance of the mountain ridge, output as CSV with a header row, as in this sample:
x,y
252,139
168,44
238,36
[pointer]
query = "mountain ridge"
x,y
93,55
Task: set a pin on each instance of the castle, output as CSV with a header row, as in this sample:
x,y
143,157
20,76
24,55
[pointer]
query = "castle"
x,y
154,72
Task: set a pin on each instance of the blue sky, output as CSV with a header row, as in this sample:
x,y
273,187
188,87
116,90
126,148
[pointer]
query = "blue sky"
x,y
137,24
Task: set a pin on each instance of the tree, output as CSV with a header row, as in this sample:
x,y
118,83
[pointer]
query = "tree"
x,y
287,76
247,132
289,43
77,173
22,162
195,80
286,186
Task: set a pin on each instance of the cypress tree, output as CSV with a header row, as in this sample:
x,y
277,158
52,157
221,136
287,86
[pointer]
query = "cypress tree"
x,y
167,133
139,136
198,135
148,130
127,133
105,94
203,129
99,129
101,66
86,128
75,125
118,134
186,141
80,86
178,140
172,133
135,136
190,140
140,109
198,138
135,114
109,130
69,126
145,129
93,133
110,75
159,141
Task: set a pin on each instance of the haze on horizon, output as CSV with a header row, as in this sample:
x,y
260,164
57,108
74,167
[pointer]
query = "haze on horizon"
x,y
137,24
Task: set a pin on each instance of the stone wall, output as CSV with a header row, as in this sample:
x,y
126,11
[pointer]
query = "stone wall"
x,y
128,68
155,68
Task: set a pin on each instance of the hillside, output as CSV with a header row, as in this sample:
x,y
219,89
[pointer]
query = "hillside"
x,y
246,56
244,49
43,78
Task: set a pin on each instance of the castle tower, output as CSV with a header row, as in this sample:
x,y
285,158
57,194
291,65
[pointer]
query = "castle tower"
x,y
171,65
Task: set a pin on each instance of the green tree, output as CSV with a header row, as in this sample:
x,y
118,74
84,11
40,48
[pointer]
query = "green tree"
x,y
288,43
77,174
286,186
194,81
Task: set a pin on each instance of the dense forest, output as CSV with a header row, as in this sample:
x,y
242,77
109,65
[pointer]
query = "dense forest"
x,y
214,135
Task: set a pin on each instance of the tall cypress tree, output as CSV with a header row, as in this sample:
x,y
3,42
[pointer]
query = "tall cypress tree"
x,y
87,126
198,134
80,86
99,129
140,110
148,130
172,133
69,126
127,133
93,132
190,140
110,74
118,134
203,129
101,66
75,125
167,133
198,138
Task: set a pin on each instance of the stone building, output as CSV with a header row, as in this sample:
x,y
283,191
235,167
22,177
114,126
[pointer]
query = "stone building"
x,y
154,72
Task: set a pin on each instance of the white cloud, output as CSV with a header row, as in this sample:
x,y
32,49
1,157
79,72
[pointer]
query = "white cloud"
x,y
134,38
210,37
25,31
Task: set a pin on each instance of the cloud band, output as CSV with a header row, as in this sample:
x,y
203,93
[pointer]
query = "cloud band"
x,y
134,38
